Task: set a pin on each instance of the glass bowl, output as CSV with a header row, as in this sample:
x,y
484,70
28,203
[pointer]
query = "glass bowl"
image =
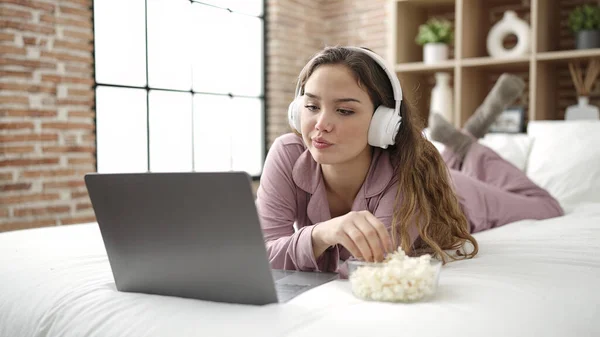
x,y
411,280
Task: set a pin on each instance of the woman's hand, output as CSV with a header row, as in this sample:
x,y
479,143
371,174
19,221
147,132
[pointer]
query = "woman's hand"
x,y
360,232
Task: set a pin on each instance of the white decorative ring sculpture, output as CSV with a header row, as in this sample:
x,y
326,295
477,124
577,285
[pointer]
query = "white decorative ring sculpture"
x,y
510,24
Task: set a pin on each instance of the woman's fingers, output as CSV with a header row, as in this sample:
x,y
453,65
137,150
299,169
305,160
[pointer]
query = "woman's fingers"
x,y
347,242
382,232
372,237
359,239
364,236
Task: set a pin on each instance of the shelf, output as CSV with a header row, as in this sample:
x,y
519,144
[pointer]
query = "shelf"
x,y
548,88
422,68
496,63
405,19
475,62
568,55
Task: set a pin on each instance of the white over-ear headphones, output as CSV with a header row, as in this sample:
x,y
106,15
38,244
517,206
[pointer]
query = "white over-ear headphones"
x,y
385,122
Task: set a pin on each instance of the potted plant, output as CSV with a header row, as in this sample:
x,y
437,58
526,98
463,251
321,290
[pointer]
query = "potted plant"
x,y
435,35
584,21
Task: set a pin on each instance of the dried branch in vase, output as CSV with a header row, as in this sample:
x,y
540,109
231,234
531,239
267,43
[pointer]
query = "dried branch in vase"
x,y
584,86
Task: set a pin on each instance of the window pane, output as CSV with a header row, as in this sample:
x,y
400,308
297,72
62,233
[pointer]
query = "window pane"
x,y
121,130
228,134
247,135
229,59
212,135
169,44
211,49
170,131
247,66
250,7
120,42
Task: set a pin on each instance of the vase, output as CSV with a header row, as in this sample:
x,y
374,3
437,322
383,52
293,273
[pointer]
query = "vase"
x,y
442,101
509,24
587,39
582,111
435,52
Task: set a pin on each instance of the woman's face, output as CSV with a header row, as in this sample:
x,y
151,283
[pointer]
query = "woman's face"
x,y
336,114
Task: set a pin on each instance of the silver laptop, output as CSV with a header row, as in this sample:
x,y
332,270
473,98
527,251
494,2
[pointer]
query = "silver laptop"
x,y
193,235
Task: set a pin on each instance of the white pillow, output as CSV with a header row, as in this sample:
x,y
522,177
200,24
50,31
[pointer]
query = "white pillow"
x,y
514,148
565,160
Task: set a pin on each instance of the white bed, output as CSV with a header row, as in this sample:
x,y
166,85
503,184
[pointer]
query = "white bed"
x,y
531,278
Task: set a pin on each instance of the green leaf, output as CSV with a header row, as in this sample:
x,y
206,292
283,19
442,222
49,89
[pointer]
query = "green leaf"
x,y
586,17
435,31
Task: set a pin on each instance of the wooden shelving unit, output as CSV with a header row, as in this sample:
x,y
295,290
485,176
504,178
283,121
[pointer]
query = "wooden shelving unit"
x,y
545,70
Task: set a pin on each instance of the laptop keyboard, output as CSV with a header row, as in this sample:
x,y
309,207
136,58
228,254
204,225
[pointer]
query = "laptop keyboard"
x,y
289,290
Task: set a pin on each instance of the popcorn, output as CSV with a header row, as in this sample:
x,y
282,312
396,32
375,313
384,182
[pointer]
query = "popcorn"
x,y
399,278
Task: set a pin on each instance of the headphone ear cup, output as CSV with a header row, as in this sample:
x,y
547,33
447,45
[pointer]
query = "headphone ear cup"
x,y
384,126
294,114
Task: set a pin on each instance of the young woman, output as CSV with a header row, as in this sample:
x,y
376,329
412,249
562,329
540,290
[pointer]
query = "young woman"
x,y
358,177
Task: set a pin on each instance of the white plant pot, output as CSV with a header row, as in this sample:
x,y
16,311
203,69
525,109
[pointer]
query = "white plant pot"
x,y
435,52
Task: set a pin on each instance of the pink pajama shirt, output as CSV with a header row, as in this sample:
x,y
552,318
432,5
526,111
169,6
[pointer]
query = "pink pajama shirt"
x,y
492,192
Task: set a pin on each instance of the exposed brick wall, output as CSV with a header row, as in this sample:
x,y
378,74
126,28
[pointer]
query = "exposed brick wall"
x,y
47,128
294,32
357,23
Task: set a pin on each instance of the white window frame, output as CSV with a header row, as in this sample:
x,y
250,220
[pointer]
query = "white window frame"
x,y
103,156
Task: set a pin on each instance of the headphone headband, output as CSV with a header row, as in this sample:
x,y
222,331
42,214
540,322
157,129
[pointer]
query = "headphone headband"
x,y
391,75
397,89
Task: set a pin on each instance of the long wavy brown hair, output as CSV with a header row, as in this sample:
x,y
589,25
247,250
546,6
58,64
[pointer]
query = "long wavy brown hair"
x,y
426,196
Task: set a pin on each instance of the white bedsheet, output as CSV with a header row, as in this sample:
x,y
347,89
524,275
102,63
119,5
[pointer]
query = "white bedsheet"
x,y
531,278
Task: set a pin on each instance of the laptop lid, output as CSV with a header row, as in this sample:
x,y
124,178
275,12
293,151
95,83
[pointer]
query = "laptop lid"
x,y
190,234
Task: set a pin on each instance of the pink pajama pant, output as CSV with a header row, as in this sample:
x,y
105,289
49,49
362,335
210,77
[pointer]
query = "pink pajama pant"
x,y
493,192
